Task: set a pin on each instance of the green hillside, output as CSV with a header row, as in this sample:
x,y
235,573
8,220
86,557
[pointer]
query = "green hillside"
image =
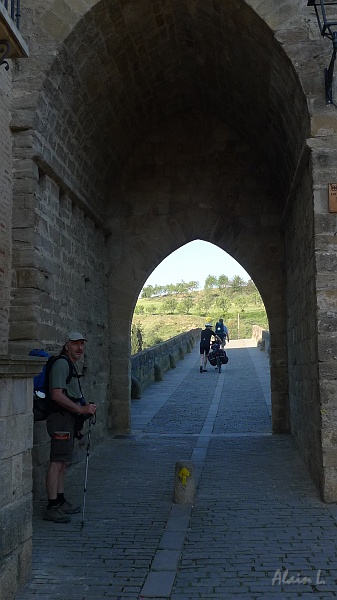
x,y
163,312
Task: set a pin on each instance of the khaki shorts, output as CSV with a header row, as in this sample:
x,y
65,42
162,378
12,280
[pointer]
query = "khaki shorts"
x,y
61,450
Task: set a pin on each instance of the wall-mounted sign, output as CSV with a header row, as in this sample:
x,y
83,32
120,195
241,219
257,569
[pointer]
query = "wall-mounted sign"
x,y
333,197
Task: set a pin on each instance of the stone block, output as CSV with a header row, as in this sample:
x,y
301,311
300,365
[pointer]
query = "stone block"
x,y
27,297
21,330
6,481
23,218
6,394
15,524
9,576
24,554
24,257
136,390
330,484
158,374
22,396
26,472
11,445
15,570
328,392
172,361
33,278
330,458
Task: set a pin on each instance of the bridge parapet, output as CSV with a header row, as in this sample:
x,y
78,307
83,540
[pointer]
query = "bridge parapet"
x,y
262,338
150,364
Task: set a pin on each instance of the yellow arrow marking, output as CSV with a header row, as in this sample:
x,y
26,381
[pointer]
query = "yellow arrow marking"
x,y
183,474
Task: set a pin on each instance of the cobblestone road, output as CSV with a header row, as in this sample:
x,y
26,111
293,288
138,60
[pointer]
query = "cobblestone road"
x,y
257,529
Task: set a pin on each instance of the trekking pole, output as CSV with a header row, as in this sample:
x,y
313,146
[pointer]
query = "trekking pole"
x,y
92,421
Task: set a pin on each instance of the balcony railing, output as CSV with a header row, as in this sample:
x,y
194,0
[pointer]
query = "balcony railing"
x,y
13,9
12,45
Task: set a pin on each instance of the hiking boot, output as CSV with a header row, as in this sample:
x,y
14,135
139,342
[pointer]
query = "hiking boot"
x,y
69,509
54,513
204,370
200,369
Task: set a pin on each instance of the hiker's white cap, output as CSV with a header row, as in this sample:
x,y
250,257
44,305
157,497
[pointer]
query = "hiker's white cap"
x,y
208,325
74,336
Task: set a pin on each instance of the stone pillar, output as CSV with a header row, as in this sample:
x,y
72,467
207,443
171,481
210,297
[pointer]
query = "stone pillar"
x,y
6,163
16,441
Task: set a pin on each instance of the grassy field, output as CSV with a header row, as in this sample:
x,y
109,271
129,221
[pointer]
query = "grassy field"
x,y
158,321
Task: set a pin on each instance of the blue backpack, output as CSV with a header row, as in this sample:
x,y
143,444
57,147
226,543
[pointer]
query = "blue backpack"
x,y
40,378
42,403
219,327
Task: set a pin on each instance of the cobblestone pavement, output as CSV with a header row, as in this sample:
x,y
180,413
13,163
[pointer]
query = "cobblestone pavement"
x,y
257,528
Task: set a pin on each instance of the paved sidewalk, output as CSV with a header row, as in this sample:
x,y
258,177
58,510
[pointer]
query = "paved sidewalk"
x,y
257,529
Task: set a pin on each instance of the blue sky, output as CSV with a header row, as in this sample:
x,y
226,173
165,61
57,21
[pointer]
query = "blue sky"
x,y
194,262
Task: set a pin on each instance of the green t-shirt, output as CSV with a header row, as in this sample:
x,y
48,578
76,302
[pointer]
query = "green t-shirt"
x,y
58,378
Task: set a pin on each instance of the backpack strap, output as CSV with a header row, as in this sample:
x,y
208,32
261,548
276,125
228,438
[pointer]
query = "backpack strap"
x,y
72,372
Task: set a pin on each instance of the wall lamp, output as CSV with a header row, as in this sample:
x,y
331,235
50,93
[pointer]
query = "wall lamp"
x,y
326,14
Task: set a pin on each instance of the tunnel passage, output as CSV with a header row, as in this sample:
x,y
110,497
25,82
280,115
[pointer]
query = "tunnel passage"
x,y
191,178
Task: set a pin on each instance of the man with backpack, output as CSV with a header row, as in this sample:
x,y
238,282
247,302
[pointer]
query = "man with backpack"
x,y
67,414
205,344
222,331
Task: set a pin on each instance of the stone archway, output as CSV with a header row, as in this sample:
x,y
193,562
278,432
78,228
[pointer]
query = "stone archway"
x,y
125,75
193,177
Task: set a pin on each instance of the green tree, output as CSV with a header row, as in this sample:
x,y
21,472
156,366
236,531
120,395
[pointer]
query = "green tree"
x,y
139,309
136,338
193,286
210,282
170,305
152,339
223,281
150,309
222,304
250,286
237,283
186,305
182,287
171,289
241,302
147,292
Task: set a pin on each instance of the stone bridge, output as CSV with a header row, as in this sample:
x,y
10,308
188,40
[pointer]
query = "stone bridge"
x,y
133,128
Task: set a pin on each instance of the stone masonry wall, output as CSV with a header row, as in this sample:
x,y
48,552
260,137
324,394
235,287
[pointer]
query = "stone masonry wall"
x,y
16,440
262,338
302,327
59,277
150,364
6,183
324,156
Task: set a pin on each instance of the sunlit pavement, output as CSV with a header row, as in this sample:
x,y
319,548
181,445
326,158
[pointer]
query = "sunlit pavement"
x,y
257,528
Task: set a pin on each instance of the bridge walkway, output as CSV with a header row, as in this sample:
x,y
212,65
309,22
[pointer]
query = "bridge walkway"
x,y
257,529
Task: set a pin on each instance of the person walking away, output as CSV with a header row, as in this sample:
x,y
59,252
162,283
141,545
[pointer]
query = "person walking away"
x,y
205,343
222,331
67,415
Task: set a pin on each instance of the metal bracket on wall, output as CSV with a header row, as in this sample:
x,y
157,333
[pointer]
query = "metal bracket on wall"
x,y
4,53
